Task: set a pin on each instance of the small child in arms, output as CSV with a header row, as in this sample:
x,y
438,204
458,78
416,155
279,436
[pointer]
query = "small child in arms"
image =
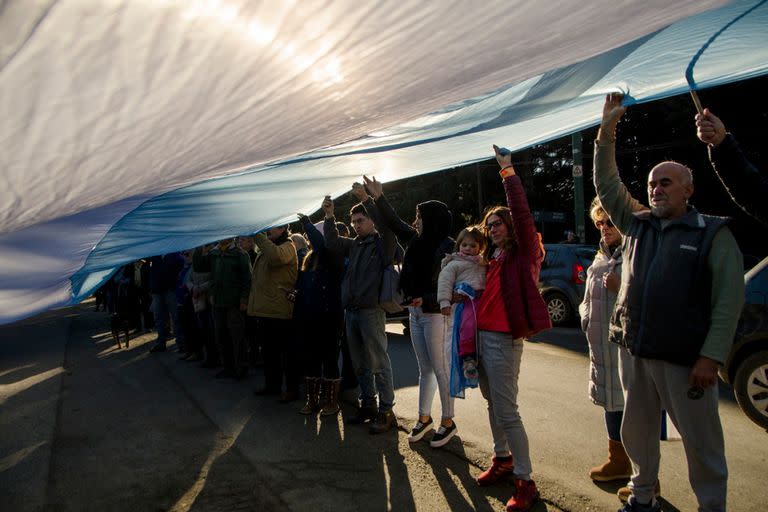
x,y
463,272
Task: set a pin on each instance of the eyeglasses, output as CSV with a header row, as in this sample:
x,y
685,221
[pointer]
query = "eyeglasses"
x,y
607,223
494,224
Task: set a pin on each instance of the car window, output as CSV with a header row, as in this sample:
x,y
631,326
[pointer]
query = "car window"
x,y
550,258
586,255
757,284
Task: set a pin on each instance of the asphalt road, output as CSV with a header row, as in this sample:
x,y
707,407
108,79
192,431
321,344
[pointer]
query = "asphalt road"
x,y
85,426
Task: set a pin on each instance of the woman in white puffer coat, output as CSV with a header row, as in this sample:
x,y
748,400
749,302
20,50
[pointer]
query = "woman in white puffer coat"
x,y
603,281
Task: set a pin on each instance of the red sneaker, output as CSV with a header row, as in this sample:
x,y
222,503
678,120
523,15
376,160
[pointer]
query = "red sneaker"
x,y
501,469
525,496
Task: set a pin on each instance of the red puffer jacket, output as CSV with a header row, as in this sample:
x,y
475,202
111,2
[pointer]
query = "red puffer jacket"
x,y
520,269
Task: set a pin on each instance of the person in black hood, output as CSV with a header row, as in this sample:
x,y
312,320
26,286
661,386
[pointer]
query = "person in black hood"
x,y
427,242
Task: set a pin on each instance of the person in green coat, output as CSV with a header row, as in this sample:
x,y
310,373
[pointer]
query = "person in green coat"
x,y
230,271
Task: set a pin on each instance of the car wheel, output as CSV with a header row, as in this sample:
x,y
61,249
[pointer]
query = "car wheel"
x,y
751,387
560,310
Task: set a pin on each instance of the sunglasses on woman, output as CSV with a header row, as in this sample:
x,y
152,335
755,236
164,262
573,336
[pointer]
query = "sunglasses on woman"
x,y
494,224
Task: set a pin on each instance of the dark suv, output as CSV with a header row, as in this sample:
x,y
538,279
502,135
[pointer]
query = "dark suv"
x,y
563,275
747,366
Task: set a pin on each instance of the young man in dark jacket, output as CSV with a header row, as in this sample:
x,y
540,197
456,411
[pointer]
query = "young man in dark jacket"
x,y
369,253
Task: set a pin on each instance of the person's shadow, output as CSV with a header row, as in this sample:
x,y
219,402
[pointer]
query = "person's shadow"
x,y
456,477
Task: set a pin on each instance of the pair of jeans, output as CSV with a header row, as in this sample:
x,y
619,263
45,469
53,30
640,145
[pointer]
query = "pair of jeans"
x,y
229,323
205,325
613,424
430,335
499,369
367,340
164,307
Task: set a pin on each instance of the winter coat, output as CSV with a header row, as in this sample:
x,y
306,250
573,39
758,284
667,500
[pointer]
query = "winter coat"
x,y
368,256
318,288
520,267
164,271
596,309
230,275
747,186
199,283
458,268
424,253
274,271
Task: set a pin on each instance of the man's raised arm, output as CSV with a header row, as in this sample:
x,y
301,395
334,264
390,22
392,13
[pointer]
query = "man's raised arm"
x,y
614,196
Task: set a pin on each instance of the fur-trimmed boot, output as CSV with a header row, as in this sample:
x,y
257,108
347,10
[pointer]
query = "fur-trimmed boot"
x,y
617,467
329,396
312,386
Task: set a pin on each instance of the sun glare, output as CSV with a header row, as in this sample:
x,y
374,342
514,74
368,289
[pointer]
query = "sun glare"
x,y
306,54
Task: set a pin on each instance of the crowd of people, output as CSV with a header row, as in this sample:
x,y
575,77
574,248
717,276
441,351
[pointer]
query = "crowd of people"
x,y
657,315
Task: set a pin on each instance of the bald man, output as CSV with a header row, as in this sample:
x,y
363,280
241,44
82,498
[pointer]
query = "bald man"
x,y
676,313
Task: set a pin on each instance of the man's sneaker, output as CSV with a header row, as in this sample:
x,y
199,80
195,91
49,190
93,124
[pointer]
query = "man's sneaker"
x,y
419,430
383,423
362,415
443,435
157,348
501,469
525,496
633,506
625,492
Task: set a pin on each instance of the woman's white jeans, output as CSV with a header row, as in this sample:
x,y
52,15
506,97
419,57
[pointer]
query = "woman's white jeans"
x,y
429,332
499,357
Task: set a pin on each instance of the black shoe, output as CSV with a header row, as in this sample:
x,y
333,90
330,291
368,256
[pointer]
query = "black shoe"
x,y
362,415
241,374
442,436
209,364
194,358
419,430
384,422
226,373
157,348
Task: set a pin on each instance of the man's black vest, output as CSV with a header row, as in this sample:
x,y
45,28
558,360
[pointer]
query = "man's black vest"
x,y
663,309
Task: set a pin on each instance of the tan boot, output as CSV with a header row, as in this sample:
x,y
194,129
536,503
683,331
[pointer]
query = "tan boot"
x,y
329,396
312,386
617,467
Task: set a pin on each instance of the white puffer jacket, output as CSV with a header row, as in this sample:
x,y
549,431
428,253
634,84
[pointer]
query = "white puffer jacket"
x,y
604,383
457,268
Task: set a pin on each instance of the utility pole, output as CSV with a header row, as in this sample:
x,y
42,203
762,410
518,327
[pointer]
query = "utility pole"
x,y
578,186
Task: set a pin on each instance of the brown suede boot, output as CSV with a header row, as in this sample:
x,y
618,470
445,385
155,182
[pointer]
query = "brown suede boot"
x,y
312,386
329,396
617,467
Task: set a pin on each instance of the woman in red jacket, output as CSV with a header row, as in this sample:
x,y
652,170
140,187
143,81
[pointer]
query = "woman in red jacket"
x,y
509,309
